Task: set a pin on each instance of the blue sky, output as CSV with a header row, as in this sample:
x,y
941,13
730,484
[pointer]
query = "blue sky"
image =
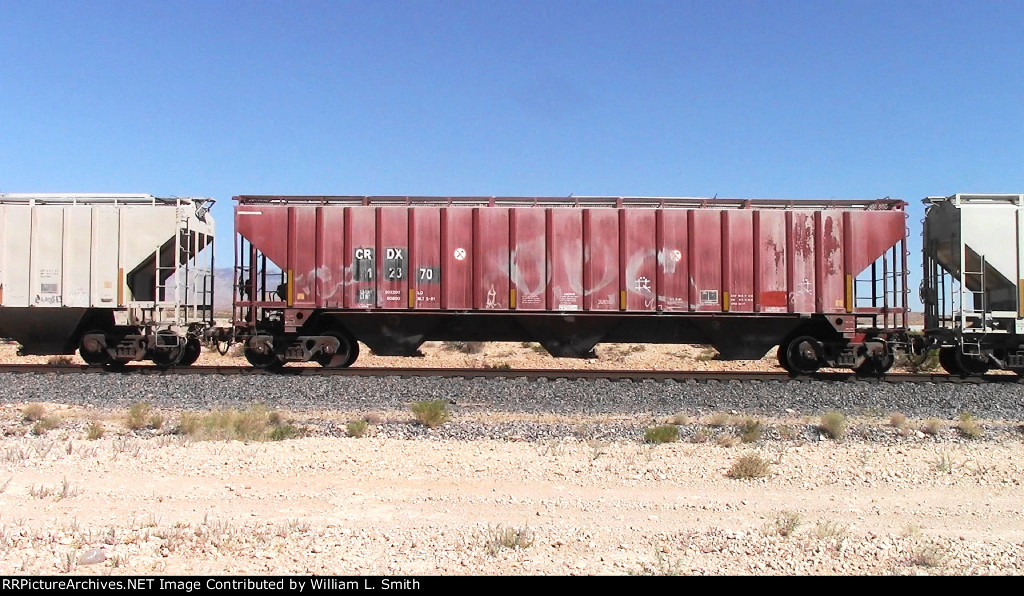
x,y
772,99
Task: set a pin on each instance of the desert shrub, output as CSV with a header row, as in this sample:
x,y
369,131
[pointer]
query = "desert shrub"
x,y
728,440
933,426
498,538
929,362
750,430
253,424
285,431
59,361
703,435
788,432
719,419
356,428
927,556
830,530
833,424
786,523
466,347
944,462
707,354
969,427
431,413
94,431
666,433
46,423
680,419
33,412
64,491
750,465
138,415
897,420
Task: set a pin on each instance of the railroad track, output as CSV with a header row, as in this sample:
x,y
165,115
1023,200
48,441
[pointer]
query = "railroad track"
x,y
614,375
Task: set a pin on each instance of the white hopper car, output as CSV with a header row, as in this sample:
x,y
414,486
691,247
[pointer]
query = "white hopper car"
x,y
973,284
117,277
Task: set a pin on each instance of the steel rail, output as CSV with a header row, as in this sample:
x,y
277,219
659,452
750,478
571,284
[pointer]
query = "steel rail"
x,y
589,374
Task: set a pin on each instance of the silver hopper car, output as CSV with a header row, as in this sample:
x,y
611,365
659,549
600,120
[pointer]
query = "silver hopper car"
x,y
973,287
117,277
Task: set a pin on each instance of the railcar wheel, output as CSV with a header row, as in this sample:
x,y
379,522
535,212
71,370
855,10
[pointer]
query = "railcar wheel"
x,y
337,358
167,356
948,361
780,355
353,353
971,365
877,364
259,351
803,355
191,352
91,349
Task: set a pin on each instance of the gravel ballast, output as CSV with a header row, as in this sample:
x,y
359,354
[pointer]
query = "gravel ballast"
x,y
557,396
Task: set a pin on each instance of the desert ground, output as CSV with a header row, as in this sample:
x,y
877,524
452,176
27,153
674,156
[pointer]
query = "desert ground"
x,y
891,497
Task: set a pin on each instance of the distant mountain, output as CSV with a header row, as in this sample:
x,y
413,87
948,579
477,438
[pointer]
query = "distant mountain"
x,y
223,282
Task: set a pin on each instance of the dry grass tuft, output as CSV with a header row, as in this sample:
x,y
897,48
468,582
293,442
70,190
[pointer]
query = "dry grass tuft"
x,y
830,530
788,432
748,466
94,431
719,419
750,430
833,424
707,354
48,422
431,413
969,427
728,440
356,428
668,433
254,424
944,462
933,426
703,435
786,523
64,491
141,415
499,538
466,347
33,412
927,556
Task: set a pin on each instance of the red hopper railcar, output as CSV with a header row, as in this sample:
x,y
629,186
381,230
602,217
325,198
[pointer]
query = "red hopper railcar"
x,y
825,280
